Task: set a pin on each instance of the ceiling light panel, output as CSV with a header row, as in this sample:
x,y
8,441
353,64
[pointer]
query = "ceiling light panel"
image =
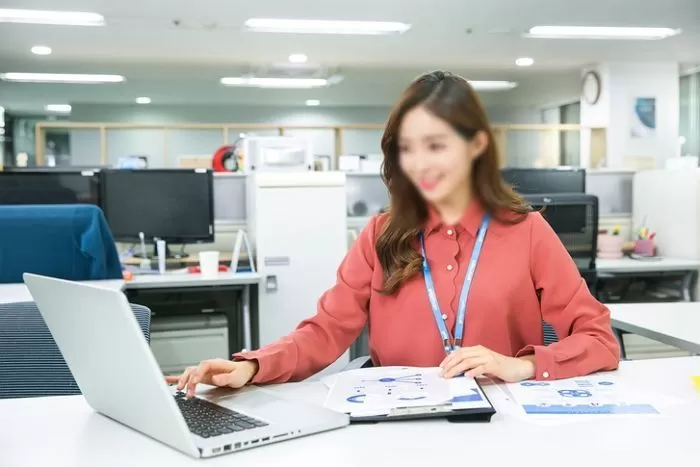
x,y
41,50
598,32
492,85
298,58
524,61
60,78
58,108
312,26
63,18
281,83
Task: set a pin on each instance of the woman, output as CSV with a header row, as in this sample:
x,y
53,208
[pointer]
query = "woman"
x,y
451,217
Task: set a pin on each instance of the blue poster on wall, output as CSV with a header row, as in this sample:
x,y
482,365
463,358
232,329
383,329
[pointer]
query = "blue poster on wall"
x,y
644,117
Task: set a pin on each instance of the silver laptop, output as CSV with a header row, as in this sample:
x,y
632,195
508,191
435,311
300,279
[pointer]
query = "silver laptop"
x,y
105,349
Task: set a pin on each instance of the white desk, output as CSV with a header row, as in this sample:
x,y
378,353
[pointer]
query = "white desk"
x,y
636,268
676,324
10,293
631,266
65,432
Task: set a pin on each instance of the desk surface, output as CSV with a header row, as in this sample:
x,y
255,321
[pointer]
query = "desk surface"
x,y
10,293
151,281
676,324
629,265
69,433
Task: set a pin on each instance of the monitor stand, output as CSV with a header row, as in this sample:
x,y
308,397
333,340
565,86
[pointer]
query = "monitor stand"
x,y
169,254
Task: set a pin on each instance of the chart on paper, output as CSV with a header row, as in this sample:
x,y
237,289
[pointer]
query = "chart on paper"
x,y
378,390
599,395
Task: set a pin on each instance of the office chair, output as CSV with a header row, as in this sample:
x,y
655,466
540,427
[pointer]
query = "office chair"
x,y
574,218
67,241
31,364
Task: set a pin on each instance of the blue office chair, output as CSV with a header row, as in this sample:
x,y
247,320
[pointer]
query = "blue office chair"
x,y
31,364
71,242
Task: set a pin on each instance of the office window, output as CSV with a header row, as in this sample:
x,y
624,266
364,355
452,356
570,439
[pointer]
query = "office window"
x,y
690,114
570,140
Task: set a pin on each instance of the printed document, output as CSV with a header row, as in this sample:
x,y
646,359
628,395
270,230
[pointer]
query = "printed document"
x,y
379,390
593,395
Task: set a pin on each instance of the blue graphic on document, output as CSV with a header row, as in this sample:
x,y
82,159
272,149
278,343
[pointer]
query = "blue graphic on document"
x,y
386,385
574,393
473,396
528,384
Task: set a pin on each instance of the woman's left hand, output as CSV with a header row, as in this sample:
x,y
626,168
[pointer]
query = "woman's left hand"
x,y
478,361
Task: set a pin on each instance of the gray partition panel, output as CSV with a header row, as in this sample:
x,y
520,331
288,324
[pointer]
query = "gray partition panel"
x,y
366,193
229,197
613,189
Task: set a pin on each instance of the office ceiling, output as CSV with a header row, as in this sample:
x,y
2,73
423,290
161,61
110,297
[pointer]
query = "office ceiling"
x,y
177,64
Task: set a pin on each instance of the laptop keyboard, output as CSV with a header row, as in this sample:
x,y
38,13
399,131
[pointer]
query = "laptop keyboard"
x,y
206,419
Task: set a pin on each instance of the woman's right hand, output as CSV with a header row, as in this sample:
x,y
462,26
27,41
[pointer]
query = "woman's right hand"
x,y
217,372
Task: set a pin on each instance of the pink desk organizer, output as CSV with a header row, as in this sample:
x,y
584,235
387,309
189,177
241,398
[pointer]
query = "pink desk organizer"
x,y
644,247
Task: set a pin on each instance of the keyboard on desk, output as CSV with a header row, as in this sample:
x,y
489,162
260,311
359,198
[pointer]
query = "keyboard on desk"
x,y
206,419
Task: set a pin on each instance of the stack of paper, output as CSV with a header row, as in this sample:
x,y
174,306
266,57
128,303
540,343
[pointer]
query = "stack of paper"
x,y
377,391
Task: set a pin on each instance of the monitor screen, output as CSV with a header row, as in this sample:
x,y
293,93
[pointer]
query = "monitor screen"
x,y
49,187
537,181
175,205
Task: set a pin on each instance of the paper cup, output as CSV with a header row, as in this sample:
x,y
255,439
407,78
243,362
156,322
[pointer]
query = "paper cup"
x,y
209,263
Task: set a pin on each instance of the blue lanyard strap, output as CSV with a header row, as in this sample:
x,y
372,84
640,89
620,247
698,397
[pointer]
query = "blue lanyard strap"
x,y
464,295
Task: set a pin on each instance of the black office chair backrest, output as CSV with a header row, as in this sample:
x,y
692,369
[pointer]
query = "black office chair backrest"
x,y
31,364
574,217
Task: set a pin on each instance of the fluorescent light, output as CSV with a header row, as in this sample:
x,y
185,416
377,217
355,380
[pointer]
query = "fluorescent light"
x,y
60,78
313,26
298,83
524,61
595,32
58,108
143,100
63,18
313,102
492,85
298,58
41,50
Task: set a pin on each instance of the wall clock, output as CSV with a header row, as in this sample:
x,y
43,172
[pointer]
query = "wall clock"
x,y
590,87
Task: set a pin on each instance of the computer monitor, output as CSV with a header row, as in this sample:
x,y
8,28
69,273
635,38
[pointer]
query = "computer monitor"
x,y
49,186
175,205
527,181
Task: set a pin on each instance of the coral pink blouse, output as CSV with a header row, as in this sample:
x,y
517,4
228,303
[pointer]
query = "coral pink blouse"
x,y
524,275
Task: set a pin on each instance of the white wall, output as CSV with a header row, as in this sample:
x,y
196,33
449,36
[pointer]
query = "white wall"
x,y
622,83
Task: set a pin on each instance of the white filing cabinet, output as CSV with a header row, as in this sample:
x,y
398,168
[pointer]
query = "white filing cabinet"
x,y
298,226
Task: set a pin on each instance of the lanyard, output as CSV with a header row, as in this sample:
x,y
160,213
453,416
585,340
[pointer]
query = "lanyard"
x,y
466,286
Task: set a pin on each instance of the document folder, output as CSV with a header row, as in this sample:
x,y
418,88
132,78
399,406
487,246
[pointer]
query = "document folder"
x,y
407,393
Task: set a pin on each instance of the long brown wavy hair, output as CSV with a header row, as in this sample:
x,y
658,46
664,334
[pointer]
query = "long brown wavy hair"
x,y
451,98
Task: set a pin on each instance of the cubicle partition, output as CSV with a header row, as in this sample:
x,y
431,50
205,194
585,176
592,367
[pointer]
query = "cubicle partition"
x,y
169,145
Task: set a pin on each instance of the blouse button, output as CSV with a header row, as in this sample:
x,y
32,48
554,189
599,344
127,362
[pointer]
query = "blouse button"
x,y
545,374
450,232
450,267
444,316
